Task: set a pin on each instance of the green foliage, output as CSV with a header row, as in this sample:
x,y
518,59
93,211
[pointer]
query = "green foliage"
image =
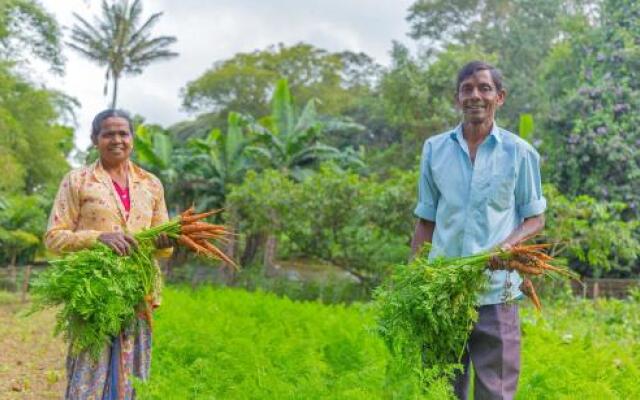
x,y
220,159
526,127
265,201
291,141
215,343
22,224
592,234
591,136
99,291
418,94
581,349
245,82
426,311
234,344
518,33
26,27
359,224
33,146
120,40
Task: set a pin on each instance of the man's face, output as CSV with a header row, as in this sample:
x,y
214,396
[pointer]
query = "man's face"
x,y
115,140
478,98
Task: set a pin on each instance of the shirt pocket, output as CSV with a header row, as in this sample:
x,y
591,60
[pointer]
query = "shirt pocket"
x,y
502,191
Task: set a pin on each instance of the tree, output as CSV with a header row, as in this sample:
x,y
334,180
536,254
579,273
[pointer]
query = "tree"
x,y
22,224
520,33
418,96
359,224
591,136
120,41
33,146
224,156
581,229
290,142
245,82
25,27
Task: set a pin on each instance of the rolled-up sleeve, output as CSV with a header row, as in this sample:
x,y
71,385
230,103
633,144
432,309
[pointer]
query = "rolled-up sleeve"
x,y
529,198
428,194
61,235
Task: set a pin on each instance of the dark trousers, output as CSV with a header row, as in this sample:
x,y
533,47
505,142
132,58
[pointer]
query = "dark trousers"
x,y
494,351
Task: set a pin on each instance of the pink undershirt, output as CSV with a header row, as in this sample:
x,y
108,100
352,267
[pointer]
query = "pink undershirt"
x,y
124,196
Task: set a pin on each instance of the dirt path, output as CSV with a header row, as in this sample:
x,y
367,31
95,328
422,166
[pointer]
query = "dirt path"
x,y
31,359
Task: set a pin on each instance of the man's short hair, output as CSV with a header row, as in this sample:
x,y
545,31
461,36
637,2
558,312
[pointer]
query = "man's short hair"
x,y
475,66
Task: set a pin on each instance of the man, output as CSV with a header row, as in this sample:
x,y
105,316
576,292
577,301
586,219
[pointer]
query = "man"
x,y
480,188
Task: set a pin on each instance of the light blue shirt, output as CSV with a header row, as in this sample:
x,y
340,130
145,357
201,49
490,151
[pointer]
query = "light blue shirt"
x,y
476,206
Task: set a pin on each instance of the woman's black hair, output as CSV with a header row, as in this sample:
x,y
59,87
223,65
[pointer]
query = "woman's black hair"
x,y
96,125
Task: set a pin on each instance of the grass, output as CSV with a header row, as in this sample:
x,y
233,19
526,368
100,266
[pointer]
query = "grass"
x,y
225,343
233,344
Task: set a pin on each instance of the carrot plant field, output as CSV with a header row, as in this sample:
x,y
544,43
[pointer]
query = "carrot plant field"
x,y
232,344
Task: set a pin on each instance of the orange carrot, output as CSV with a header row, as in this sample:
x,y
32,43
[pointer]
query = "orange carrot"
x,y
202,227
525,268
189,243
530,291
527,248
206,235
187,212
218,253
196,217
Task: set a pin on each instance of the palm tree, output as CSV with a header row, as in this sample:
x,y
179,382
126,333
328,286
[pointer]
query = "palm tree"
x,y
120,42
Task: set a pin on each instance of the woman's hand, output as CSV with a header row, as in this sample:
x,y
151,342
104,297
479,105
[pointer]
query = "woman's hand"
x,y
163,241
121,243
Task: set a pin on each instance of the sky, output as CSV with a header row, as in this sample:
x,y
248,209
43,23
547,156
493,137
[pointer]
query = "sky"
x,y
215,30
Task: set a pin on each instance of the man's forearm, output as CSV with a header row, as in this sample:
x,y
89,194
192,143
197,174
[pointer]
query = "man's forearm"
x,y
526,230
423,233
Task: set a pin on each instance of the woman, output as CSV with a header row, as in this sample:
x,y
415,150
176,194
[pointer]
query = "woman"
x,y
106,202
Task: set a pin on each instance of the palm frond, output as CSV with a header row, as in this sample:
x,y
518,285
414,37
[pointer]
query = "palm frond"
x,y
144,30
117,39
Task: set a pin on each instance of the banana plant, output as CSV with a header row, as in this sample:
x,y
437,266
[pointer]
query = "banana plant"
x,y
291,142
153,150
222,158
22,224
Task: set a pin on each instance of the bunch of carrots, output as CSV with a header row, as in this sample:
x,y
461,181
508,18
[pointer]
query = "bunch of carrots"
x,y
197,235
529,260
427,308
189,230
98,293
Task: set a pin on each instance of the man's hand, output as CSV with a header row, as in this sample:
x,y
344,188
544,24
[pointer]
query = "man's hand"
x,y
506,246
122,243
495,262
163,241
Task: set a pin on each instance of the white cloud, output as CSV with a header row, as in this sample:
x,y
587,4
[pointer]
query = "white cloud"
x,y
210,31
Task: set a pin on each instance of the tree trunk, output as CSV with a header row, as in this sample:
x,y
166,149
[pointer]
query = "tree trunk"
x,y
13,272
25,282
252,244
115,91
269,259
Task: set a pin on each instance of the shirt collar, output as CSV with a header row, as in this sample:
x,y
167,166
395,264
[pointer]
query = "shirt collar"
x,y
135,173
456,134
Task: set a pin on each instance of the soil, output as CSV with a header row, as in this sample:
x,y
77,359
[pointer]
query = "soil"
x,y
31,359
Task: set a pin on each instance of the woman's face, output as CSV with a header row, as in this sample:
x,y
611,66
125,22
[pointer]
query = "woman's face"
x,y
114,141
